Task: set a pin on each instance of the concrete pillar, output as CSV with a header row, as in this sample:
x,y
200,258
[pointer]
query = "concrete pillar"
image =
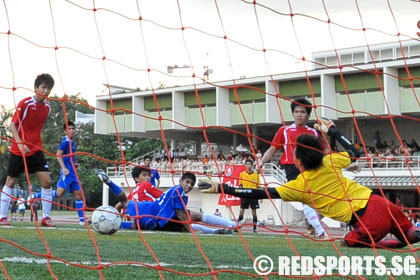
x,y
100,125
173,145
272,113
392,91
254,131
198,148
328,97
138,122
178,110
235,140
222,107
105,195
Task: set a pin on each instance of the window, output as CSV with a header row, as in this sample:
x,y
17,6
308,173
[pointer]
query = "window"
x,y
359,57
414,50
346,59
332,61
399,53
386,54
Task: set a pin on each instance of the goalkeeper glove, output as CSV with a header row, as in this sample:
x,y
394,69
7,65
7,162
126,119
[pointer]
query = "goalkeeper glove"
x,y
208,186
323,126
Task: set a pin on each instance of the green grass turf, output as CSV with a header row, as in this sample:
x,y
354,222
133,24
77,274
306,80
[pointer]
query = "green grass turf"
x,y
123,255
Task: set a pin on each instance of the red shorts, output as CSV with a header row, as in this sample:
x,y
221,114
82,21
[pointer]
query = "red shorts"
x,y
380,218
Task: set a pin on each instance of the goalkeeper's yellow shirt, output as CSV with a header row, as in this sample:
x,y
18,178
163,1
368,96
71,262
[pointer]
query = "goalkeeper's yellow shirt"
x,y
332,194
249,181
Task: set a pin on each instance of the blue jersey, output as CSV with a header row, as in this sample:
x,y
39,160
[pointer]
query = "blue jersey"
x,y
65,147
163,207
155,176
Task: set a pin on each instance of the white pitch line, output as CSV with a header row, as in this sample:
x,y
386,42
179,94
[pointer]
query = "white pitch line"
x,y
44,261
88,263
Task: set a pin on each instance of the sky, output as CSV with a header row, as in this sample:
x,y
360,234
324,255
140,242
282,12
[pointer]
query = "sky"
x,y
131,46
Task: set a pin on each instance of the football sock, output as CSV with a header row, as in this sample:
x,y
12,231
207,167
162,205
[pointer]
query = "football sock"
x,y
203,229
313,219
215,220
46,196
79,208
114,188
5,201
255,220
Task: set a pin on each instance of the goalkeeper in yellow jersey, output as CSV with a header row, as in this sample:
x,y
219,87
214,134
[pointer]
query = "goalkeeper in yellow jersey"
x,y
322,184
249,179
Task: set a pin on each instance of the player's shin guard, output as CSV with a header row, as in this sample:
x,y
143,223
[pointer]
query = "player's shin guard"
x,y
79,207
114,188
215,220
5,201
46,196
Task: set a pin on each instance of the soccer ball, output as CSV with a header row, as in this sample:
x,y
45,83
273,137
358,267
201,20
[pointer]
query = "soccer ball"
x,y
106,220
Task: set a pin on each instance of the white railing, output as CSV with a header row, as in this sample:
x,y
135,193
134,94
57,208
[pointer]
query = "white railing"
x,y
165,171
271,169
378,163
393,163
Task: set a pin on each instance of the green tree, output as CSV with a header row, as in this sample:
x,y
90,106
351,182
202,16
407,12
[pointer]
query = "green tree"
x,y
95,151
5,136
143,146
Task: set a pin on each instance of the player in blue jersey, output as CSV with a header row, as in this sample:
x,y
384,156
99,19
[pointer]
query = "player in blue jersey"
x,y
170,205
68,180
155,177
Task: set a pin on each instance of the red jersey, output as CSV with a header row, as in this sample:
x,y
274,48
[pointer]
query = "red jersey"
x,y
286,137
145,192
29,118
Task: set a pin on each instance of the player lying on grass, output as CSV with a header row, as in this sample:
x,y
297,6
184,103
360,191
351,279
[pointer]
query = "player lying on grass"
x,y
321,184
170,205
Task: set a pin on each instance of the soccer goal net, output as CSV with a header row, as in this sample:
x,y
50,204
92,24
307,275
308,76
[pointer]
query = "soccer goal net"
x,y
206,87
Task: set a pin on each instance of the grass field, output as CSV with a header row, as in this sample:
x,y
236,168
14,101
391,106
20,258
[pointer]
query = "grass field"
x,y
124,255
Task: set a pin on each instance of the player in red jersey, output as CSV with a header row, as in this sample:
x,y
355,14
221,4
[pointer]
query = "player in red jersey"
x,y
285,139
144,190
26,126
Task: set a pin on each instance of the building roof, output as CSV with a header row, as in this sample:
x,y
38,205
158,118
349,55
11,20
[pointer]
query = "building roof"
x,y
386,182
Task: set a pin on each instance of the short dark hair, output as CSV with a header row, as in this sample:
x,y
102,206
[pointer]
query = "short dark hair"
x,y
46,79
309,151
301,102
188,175
147,157
69,123
137,170
249,160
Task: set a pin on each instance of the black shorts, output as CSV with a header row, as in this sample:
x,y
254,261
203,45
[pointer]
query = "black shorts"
x,y
249,202
35,162
172,225
291,171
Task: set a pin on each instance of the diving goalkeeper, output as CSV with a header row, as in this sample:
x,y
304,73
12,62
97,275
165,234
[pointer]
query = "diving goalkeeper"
x,y
322,183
